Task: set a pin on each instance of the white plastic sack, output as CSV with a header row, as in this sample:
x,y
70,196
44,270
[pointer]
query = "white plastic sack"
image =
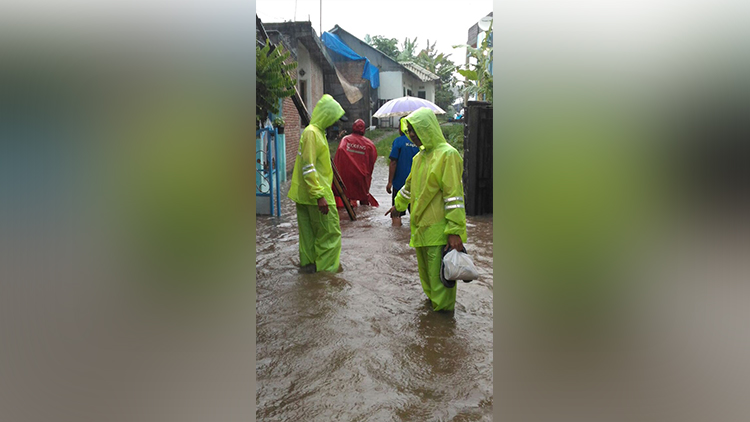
x,y
459,266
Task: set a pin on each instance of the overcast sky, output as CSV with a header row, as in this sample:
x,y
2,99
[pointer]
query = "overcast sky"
x,y
446,22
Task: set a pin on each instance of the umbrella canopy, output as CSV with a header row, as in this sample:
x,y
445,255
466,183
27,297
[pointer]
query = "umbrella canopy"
x,y
403,106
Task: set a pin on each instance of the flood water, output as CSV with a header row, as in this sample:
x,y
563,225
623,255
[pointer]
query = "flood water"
x,y
364,344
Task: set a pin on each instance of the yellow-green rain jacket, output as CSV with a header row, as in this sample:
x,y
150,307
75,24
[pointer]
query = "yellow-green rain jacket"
x,y
434,187
313,175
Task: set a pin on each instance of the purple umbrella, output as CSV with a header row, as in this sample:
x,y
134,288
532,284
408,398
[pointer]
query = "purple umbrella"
x,y
405,105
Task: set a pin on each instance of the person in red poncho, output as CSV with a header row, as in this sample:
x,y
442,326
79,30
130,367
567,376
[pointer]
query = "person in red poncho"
x,y
355,160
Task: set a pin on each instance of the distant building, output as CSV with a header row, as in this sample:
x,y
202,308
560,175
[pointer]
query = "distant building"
x,y
475,37
315,74
395,79
423,85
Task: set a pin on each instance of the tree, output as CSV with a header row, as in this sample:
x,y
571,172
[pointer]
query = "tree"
x,y
478,75
388,46
272,80
407,50
439,64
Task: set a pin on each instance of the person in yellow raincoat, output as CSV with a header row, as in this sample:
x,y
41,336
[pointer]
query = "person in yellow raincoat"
x,y
317,216
435,192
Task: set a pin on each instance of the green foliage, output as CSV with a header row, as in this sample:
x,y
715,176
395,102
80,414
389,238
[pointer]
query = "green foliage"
x,y
454,135
272,84
439,64
478,77
384,145
279,122
388,46
407,50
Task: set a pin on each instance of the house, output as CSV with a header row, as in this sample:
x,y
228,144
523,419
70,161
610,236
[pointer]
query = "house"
x,y
395,79
315,76
314,72
423,84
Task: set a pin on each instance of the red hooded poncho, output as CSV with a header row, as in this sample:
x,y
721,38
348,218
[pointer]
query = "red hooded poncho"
x,y
355,160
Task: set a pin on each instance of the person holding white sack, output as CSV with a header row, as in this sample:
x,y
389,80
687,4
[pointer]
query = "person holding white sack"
x,y
435,192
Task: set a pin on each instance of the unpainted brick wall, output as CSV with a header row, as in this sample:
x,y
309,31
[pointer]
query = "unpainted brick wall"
x,y
292,129
352,72
291,132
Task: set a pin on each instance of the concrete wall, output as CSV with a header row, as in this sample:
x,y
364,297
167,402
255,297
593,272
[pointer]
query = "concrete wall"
x,y
316,85
428,88
416,85
313,77
303,63
390,85
412,83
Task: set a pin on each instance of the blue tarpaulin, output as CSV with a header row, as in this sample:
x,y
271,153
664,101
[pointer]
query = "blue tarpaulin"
x,y
335,44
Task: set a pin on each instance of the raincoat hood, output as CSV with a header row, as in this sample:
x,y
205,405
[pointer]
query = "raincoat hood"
x,y
359,127
426,126
326,112
434,188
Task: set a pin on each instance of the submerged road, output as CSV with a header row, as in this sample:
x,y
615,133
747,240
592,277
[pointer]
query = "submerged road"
x,y
364,344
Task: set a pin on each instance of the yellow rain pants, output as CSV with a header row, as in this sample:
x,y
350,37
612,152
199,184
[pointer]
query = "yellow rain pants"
x,y
319,237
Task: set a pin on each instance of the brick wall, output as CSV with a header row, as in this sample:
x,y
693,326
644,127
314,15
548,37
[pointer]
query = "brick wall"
x,y
292,129
352,71
291,132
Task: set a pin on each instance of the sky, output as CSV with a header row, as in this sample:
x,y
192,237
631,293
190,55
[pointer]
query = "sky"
x,y
444,22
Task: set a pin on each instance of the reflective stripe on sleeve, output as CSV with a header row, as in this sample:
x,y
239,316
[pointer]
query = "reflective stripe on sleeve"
x,y
308,171
450,207
405,193
455,198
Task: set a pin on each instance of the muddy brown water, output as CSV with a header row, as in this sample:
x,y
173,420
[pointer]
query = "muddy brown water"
x,y
364,344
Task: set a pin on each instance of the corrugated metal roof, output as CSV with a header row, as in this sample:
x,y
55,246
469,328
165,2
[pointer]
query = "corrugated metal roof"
x,y
423,74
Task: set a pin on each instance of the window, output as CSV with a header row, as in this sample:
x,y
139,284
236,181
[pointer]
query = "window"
x,y
422,94
303,92
408,92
